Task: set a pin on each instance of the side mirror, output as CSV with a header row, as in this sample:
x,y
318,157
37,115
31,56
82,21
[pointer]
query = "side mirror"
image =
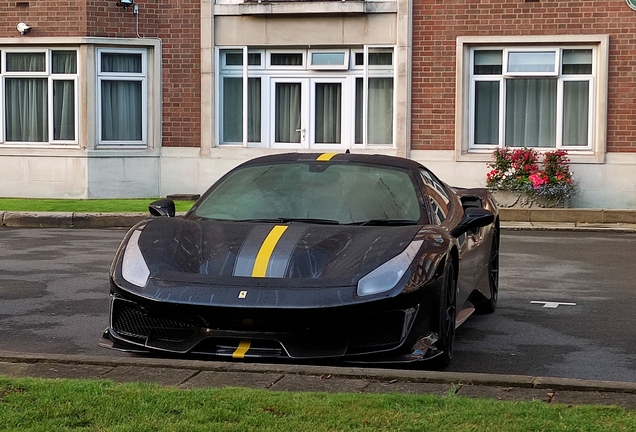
x,y
473,218
162,207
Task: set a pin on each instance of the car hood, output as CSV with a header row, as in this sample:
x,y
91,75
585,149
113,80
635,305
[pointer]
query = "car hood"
x,y
248,253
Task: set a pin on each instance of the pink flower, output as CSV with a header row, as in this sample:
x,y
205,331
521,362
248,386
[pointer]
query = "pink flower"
x,y
538,180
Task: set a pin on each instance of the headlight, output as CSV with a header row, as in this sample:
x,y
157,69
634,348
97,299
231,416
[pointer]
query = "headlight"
x,y
386,277
134,268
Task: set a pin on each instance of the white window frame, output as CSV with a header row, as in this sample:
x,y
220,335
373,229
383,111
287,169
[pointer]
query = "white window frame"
x,y
597,124
269,65
123,76
530,50
346,108
51,77
506,75
343,66
305,130
374,71
269,75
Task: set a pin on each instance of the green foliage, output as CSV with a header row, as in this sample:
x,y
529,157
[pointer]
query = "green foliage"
x,y
28,404
84,206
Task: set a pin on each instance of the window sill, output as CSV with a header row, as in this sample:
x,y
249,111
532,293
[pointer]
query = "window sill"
x,y
580,157
306,7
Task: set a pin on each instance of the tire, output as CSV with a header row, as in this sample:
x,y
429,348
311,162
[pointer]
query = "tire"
x,y
490,305
447,318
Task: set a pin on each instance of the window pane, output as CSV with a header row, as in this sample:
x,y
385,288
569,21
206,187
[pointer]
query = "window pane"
x,y
576,107
576,62
234,58
63,110
287,113
438,198
26,109
531,113
380,111
254,59
232,110
487,112
294,59
121,110
380,59
120,62
64,62
327,58
328,112
26,62
531,61
254,109
487,63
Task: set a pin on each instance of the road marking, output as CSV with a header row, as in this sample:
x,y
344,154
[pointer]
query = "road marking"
x,y
552,305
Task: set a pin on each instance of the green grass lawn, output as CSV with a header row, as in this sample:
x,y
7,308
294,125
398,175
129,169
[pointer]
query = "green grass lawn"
x,y
28,404
84,206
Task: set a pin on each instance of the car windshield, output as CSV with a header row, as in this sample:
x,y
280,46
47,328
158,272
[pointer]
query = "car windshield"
x,y
346,193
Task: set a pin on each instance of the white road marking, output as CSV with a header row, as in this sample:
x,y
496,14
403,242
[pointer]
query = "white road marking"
x,y
552,305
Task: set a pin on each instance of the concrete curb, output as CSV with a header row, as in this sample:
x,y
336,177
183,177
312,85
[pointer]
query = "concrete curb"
x,y
344,372
69,219
568,215
526,219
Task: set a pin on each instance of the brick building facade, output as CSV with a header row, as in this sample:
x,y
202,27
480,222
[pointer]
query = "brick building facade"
x,y
443,31
164,97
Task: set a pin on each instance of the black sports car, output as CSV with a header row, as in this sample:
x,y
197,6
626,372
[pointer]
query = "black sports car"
x,y
363,258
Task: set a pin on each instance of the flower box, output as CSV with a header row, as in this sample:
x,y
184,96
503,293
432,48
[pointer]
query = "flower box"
x,y
518,180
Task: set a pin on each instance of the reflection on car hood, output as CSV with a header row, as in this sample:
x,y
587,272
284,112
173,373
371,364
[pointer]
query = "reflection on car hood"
x,y
205,251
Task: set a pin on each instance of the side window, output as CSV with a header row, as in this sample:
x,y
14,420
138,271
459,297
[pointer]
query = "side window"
x,y
437,197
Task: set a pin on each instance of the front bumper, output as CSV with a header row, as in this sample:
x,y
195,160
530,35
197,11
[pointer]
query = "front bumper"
x,y
396,333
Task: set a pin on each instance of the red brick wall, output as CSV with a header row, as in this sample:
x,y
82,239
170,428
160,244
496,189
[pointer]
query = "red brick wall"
x,y
175,23
437,24
48,18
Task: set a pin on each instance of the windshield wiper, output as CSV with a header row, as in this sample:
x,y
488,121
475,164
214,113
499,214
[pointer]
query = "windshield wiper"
x,y
287,220
386,222
312,220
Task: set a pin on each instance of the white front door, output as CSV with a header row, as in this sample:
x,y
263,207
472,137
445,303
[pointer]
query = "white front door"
x,y
307,113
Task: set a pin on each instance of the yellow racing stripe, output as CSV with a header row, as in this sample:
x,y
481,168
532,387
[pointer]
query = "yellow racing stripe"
x,y
326,156
244,345
266,250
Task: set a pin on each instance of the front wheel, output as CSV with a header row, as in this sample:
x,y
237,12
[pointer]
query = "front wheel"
x,y
447,318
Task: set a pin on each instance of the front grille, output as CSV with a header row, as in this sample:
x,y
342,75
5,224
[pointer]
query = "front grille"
x,y
378,331
295,334
131,321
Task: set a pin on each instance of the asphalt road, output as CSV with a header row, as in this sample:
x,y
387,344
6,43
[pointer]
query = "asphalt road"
x,y
54,289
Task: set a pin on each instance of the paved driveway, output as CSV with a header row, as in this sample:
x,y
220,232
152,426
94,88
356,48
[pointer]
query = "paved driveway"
x,y
54,289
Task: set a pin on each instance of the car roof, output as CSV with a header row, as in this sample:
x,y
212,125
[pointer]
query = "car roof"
x,y
337,157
